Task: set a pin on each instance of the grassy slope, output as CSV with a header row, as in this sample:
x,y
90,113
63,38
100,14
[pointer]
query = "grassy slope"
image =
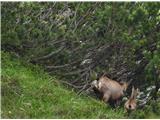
x,y
28,92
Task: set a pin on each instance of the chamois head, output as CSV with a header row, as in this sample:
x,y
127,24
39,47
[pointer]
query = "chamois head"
x,y
94,84
131,103
125,85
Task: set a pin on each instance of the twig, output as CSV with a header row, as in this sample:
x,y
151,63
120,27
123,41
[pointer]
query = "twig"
x,y
80,91
61,66
65,82
75,72
51,54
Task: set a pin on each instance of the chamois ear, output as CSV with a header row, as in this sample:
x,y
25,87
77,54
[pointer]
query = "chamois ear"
x,y
124,85
136,92
133,92
129,82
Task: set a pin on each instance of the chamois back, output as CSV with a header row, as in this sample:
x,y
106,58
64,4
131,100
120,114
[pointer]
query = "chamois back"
x,y
110,89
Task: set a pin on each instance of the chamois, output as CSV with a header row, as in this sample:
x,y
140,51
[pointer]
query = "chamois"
x,y
131,103
111,90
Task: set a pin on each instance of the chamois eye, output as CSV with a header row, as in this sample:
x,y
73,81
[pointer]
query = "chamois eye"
x,y
130,106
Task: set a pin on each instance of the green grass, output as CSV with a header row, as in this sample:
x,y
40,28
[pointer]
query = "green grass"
x,y
29,92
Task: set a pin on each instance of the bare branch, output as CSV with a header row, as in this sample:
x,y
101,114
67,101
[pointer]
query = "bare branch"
x,y
65,82
61,66
50,54
75,72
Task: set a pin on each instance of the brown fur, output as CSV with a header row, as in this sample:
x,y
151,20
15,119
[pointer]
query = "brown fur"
x,y
131,103
110,89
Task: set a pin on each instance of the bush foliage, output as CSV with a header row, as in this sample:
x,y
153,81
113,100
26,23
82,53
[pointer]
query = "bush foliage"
x,y
75,39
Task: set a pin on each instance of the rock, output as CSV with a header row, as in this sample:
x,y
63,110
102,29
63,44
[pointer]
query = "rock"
x,y
151,88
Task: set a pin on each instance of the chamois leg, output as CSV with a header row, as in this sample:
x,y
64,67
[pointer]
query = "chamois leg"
x,y
106,97
118,102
